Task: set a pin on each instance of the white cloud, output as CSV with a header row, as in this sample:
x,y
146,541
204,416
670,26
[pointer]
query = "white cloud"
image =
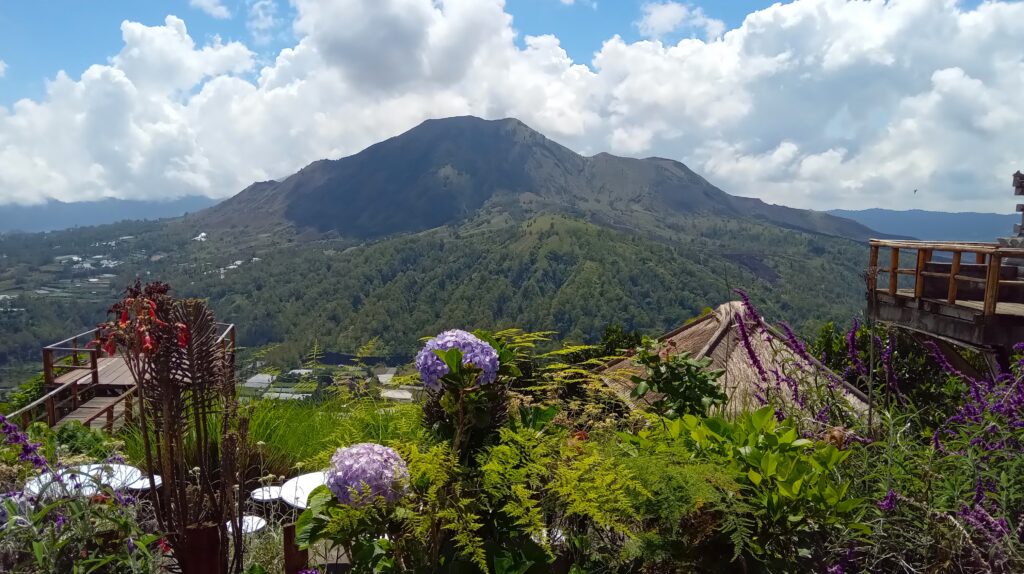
x,y
262,20
662,18
214,8
3,68
814,103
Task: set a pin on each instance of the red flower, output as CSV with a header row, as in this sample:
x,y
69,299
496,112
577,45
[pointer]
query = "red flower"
x,y
183,335
124,319
163,546
109,346
147,344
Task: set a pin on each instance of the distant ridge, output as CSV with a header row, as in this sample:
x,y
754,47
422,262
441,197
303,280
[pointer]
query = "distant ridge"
x,y
454,170
934,225
56,215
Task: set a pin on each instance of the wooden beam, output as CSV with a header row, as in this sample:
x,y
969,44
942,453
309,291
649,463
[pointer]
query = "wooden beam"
x,y
918,281
48,366
979,258
94,365
992,285
873,269
894,266
953,271
295,560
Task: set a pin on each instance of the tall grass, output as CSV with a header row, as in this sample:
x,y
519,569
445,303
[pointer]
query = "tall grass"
x,y
289,437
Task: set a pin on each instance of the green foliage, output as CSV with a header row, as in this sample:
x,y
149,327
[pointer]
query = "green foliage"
x,y
27,392
54,534
679,385
791,481
72,439
913,376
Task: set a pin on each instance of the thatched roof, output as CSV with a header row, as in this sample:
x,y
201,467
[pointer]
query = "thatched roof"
x,y
716,335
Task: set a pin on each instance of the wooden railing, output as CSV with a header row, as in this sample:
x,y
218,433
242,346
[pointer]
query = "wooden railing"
x,y
985,258
110,415
52,406
74,354
71,351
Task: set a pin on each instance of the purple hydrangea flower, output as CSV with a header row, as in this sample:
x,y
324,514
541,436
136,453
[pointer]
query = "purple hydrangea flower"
x,y
364,471
475,353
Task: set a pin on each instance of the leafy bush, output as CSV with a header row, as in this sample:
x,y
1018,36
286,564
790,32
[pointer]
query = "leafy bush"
x,y
680,385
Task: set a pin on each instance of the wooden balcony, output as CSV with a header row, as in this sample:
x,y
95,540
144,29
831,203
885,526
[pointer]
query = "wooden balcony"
x,y
971,294
82,384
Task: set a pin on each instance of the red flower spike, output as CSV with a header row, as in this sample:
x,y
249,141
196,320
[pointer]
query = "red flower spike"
x,y
147,344
124,319
110,347
163,546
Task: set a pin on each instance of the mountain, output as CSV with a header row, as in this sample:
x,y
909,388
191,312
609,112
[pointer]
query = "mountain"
x,y
449,171
56,215
458,223
934,225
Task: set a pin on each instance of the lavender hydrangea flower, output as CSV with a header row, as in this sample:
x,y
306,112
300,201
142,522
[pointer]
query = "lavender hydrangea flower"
x,y
364,471
475,353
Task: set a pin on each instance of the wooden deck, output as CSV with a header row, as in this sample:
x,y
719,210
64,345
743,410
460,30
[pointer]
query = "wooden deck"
x,y
112,371
965,294
1002,307
83,385
95,410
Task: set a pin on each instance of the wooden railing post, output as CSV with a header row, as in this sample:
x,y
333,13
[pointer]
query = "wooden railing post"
x,y
26,420
919,282
992,284
873,270
894,269
74,395
94,366
979,258
954,270
109,427
74,351
51,412
48,366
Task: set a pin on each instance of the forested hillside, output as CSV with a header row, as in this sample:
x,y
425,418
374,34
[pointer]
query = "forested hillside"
x,y
547,273
459,221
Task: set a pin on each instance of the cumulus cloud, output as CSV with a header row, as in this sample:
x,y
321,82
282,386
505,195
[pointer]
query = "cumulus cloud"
x,y
214,8
262,20
661,18
3,68
813,103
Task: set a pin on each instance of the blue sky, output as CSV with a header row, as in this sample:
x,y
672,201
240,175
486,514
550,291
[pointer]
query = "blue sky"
x,y
811,103
38,38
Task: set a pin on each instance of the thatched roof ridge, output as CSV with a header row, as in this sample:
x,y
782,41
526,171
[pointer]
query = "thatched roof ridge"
x,y
715,335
